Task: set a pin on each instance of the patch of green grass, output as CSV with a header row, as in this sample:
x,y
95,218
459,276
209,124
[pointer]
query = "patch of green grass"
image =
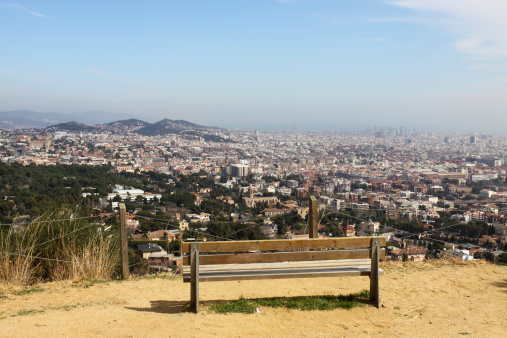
x,y
238,306
27,313
28,291
298,303
185,307
67,307
3,297
397,308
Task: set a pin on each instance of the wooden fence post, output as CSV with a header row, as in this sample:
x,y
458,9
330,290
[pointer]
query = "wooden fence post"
x,y
313,216
124,249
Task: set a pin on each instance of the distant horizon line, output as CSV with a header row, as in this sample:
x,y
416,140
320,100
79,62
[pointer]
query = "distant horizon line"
x,y
153,120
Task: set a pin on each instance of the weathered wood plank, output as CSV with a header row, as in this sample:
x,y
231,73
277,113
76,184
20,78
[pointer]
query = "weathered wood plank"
x,y
282,265
284,244
280,274
282,256
307,269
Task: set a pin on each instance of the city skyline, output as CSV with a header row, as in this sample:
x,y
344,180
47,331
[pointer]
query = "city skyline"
x,y
262,64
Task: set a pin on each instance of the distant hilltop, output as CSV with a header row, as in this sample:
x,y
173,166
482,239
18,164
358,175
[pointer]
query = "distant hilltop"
x,y
31,119
73,126
101,121
61,122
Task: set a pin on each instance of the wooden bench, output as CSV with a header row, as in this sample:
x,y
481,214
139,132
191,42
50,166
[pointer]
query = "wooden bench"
x,y
270,259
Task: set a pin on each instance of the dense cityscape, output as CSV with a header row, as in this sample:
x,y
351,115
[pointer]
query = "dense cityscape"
x,y
419,189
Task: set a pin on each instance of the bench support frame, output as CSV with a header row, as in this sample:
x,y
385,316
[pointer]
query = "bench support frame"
x,y
194,277
374,272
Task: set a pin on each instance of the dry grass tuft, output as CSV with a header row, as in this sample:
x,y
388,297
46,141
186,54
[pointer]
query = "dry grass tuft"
x,y
57,249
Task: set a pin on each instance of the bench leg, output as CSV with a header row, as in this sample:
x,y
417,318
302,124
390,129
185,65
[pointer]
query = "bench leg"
x,y
194,277
374,272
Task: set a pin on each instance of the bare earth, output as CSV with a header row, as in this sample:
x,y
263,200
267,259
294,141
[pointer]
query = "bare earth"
x,y
417,300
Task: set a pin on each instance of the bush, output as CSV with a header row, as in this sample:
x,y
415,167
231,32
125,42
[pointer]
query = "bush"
x,y
502,259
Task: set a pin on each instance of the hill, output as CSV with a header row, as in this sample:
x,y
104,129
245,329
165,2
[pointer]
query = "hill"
x,y
167,126
32,119
417,300
97,121
72,126
128,123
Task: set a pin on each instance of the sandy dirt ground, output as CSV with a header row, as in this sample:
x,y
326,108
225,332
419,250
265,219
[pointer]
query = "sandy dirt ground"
x,y
417,301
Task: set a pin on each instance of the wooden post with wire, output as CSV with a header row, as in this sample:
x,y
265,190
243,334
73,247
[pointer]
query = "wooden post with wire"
x,y
124,249
313,216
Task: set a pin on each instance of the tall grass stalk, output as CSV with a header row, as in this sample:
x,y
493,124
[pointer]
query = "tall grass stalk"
x,y
17,270
58,248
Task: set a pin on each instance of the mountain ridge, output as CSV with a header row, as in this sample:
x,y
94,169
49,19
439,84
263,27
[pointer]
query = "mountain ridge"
x,y
32,119
69,122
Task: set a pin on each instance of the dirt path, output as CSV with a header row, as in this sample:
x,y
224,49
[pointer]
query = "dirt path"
x,y
423,301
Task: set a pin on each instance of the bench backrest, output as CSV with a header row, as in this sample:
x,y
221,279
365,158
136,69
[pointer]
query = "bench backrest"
x,y
269,251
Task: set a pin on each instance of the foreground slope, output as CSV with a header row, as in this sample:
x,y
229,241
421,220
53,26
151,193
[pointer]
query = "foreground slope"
x,y
417,300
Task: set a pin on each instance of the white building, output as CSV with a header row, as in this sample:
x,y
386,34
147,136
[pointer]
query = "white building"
x,y
338,204
132,194
360,206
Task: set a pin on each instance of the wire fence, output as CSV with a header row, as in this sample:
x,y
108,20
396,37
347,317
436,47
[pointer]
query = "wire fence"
x,y
410,234
51,221
325,210
58,260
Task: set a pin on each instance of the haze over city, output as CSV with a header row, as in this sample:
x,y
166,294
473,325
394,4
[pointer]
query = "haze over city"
x,y
262,64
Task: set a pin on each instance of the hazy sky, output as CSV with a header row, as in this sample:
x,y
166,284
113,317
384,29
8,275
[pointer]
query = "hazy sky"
x,y
320,64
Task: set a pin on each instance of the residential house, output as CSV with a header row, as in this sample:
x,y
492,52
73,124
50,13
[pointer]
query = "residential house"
x,y
149,249
415,253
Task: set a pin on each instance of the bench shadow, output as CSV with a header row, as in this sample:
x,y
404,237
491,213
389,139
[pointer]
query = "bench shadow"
x,y
501,284
171,307
163,306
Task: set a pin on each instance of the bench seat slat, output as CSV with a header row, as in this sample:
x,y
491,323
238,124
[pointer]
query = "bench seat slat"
x,y
292,256
280,265
226,268
283,244
229,275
